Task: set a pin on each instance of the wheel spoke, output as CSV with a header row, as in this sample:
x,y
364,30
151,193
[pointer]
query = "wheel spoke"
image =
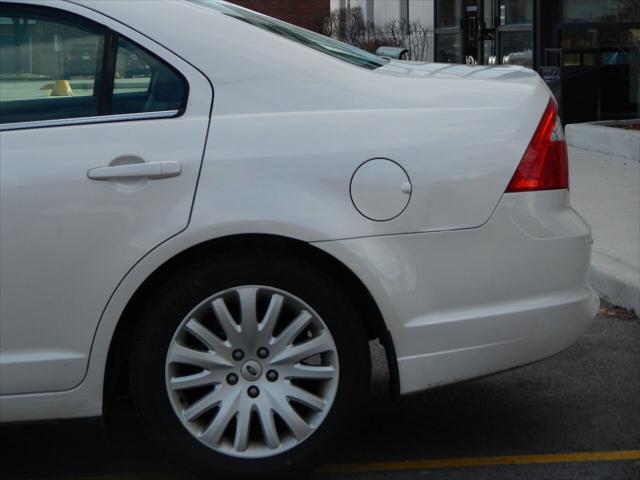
x,y
290,333
229,326
243,426
299,428
297,353
308,372
249,317
202,406
265,415
228,409
305,398
207,337
197,358
196,380
270,320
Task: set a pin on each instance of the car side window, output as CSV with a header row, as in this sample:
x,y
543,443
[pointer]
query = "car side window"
x,y
49,66
143,83
57,66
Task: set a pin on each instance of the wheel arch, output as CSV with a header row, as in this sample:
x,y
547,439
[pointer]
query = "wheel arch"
x,y
115,377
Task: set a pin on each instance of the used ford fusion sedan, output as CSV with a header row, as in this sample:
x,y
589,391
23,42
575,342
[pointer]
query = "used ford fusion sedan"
x,y
217,211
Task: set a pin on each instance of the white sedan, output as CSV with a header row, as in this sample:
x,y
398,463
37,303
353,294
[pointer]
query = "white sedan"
x,y
215,212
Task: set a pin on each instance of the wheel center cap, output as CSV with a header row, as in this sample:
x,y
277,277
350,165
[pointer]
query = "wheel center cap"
x,y
251,370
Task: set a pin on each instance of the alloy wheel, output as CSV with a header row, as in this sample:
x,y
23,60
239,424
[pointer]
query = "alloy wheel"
x,y
252,371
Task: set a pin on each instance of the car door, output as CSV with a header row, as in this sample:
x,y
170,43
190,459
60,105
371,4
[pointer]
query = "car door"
x,y
102,136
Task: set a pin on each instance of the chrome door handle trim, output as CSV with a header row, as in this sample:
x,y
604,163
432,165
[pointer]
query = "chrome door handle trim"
x,y
66,122
150,170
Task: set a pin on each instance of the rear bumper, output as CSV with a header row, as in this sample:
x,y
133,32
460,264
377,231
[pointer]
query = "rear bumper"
x,y
515,337
467,303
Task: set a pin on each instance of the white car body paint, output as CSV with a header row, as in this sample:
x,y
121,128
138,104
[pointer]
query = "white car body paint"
x,y
469,281
71,240
450,299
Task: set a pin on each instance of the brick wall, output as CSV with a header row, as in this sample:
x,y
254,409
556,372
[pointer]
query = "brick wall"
x,y
306,13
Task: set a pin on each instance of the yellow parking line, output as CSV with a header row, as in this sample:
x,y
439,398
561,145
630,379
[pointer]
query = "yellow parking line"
x,y
129,476
612,456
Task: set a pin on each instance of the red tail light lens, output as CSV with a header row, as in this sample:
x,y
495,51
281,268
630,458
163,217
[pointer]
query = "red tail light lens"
x,y
545,165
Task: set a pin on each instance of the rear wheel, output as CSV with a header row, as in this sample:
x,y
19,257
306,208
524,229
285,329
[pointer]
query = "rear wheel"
x,y
248,366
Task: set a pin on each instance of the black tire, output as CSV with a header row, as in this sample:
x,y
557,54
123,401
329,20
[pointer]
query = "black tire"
x,y
193,284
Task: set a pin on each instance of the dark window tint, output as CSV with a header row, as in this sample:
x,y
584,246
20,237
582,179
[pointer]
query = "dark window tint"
x,y
614,50
449,48
50,66
447,13
516,12
572,38
143,83
489,14
596,11
516,48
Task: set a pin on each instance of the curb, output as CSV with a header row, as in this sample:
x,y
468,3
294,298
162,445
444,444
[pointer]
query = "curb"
x,y
600,137
616,282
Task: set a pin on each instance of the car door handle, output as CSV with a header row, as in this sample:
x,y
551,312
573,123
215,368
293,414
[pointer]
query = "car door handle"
x,y
150,170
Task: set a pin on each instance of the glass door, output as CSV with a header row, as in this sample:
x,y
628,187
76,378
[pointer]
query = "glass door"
x,y
471,31
514,32
448,22
600,44
486,32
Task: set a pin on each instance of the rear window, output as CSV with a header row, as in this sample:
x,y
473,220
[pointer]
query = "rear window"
x,y
321,43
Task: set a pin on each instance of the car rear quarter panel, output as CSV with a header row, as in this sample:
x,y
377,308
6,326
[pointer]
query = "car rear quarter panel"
x,y
467,303
290,173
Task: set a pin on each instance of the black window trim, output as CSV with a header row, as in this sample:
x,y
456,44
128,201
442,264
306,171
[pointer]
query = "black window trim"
x,y
105,82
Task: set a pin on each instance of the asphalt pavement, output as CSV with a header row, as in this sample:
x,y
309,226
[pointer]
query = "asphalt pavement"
x,y
574,416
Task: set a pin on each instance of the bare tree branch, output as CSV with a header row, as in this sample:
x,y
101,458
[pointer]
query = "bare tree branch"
x,y
348,25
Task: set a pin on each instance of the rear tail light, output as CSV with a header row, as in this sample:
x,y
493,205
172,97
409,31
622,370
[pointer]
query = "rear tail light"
x,y
545,165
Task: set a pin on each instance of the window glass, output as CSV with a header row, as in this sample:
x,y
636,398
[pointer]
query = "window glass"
x,y
48,68
616,51
449,48
572,60
448,13
589,59
617,44
574,38
489,14
619,37
516,48
143,83
321,43
516,12
488,49
598,11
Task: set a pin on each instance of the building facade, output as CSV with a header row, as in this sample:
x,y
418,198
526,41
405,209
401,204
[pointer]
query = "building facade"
x,y
587,50
305,13
384,11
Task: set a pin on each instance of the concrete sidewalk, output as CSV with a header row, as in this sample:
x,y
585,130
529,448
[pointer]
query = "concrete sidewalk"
x,y
605,190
